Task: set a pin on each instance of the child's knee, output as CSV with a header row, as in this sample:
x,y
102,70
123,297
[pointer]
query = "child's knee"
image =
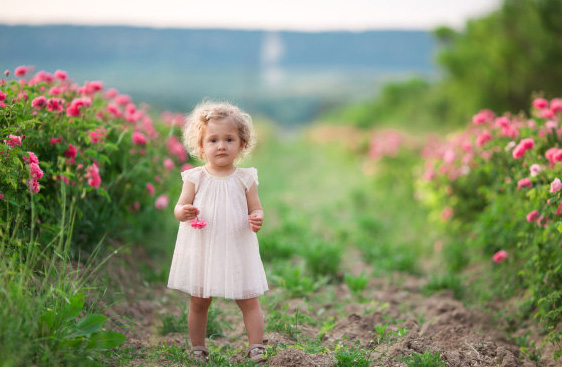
x,y
250,304
197,304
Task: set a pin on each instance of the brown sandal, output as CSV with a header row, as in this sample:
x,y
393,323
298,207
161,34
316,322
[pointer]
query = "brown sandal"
x,y
200,353
256,353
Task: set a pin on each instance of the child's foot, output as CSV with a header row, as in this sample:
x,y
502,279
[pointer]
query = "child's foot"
x,y
200,353
256,353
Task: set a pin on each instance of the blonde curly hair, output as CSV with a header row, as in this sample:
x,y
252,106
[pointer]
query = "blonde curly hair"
x,y
197,120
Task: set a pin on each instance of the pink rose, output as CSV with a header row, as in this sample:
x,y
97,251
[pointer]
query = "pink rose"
x,y
169,164
483,138
33,186
139,138
13,141
540,103
150,188
93,176
499,256
2,96
447,213
35,171
533,216
71,152
20,71
56,140
519,151
527,143
535,169
524,182
161,202
61,75
31,159
555,185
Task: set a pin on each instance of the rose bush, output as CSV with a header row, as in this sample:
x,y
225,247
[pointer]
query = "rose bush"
x,y
79,157
496,187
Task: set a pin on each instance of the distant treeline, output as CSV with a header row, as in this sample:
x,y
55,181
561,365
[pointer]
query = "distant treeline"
x,y
175,68
500,61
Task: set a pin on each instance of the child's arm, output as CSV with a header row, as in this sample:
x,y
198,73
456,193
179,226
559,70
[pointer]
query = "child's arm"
x,y
255,211
184,209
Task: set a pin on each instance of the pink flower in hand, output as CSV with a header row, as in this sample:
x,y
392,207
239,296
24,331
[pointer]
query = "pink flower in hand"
x,y
499,256
555,185
198,223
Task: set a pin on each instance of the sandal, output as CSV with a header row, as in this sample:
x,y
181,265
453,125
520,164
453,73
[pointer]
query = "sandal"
x,y
200,353
256,353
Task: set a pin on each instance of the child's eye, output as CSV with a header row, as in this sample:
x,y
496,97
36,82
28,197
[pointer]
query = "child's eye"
x,y
229,140
213,140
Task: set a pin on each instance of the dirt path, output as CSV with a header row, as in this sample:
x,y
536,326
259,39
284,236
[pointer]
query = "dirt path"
x,y
391,319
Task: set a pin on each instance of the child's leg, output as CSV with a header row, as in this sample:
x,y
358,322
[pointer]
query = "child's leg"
x,y
253,319
197,319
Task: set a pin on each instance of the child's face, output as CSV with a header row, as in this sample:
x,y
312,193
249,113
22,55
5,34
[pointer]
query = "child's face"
x,y
221,143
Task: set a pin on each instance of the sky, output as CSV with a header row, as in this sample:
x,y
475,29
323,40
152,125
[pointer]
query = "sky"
x,y
301,15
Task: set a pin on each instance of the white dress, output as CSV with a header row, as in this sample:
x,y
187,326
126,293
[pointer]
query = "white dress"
x,y
222,259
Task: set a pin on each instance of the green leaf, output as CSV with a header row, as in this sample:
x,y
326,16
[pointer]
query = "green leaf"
x,y
75,306
89,324
106,339
560,228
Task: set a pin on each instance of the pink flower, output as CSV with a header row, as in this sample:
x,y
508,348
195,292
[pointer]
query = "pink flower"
x,y
161,202
2,96
169,164
56,140
535,169
20,71
549,154
186,166
61,75
198,223
483,138
35,171
63,178
97,135
499,256
556,105
524,182
555,185
139,138
55,105
533,216
502,122
33,186
111,92
31,159
150,188
543,221
13,141
122,99
519,151
479,118
93,176
71,152
559,210
540,103
94,86
447,213
39,102
1,196
527,143
54,91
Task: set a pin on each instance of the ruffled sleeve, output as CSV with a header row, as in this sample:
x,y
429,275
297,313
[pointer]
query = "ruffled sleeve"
x,y
249,177
192,175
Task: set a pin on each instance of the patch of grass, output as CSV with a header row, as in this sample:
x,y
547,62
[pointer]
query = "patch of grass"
x,y
427,359
296,282
174,324
353,356
323,258
356,284
446,281
215,326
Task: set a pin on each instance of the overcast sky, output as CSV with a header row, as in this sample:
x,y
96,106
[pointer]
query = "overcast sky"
x,y
307,15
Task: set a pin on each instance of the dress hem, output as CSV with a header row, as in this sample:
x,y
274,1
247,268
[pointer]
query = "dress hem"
x,y
215,295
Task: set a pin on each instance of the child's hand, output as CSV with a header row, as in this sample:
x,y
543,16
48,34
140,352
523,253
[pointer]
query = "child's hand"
x,y
187,212
256,221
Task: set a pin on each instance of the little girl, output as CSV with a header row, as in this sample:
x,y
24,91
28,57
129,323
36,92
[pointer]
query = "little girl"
x,y
217,251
